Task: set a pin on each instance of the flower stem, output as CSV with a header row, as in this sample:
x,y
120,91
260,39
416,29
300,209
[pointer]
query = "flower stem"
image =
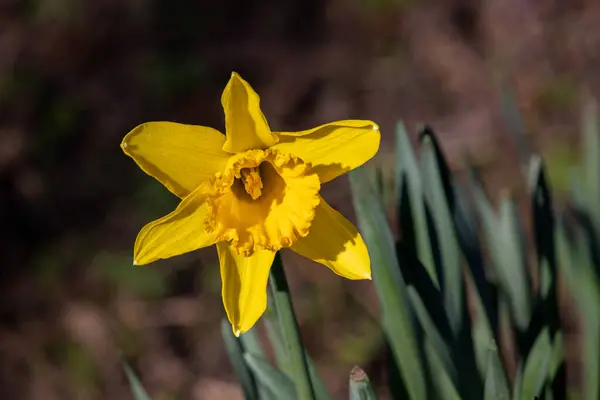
x,y
289,327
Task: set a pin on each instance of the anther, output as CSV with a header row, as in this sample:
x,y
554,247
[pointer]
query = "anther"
x,y
252,182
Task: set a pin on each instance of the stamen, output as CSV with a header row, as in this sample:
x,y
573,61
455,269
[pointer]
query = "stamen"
x,y
252,182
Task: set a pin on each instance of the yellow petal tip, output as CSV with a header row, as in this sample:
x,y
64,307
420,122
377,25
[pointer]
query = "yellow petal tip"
x,y
135,262
375,127
237,332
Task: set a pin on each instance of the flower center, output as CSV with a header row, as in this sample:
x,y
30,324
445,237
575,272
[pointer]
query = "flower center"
x,y
253,184
262,200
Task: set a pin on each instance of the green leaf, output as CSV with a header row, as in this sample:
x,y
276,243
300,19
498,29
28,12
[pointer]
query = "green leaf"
x,y
319,387
275,338
518,383
250,342
442,381
235,353
591,159
278,383
409,180
558,355
576,265
510,259
504,240
482,291
452,283
360,386
535,373
137,390
496,384
432,335
481,331
397,318
544,234
291,335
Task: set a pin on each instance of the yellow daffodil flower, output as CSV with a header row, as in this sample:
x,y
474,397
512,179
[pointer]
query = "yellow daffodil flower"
x,y
251,192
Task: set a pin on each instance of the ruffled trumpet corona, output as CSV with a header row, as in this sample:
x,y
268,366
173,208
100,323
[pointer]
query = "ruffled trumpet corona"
x,y
251,192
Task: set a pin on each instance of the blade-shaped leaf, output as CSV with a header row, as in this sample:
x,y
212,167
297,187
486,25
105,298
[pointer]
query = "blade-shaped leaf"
x,y
518,384
504,240
235,352
451,281
409,181
434,338
442,381
360,386
544,229
591,159
289,326
496,384
483,323
397,319
278,383
318,385
275,338
576,265
137,390
535,373
558,355
250,342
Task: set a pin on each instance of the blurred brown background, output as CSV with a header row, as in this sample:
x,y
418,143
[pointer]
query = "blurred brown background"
x,y
76,76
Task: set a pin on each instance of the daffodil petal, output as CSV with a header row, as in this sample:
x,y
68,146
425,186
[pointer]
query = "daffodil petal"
x,y
179,232
179,156
244,289
334,242
333,149
246,126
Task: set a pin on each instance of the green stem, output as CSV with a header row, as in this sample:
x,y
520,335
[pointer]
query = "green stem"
x,y
291,333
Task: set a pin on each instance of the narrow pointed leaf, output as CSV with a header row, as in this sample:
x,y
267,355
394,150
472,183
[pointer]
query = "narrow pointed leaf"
x,y
558,355
360,386
408,177
504,240
289,327
276,340
576,265
535,373
451,281
591,157
397,318
235,353
432,335
278,383
518,384
442,381
250,342
318,385
137,389
496,384
275,337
